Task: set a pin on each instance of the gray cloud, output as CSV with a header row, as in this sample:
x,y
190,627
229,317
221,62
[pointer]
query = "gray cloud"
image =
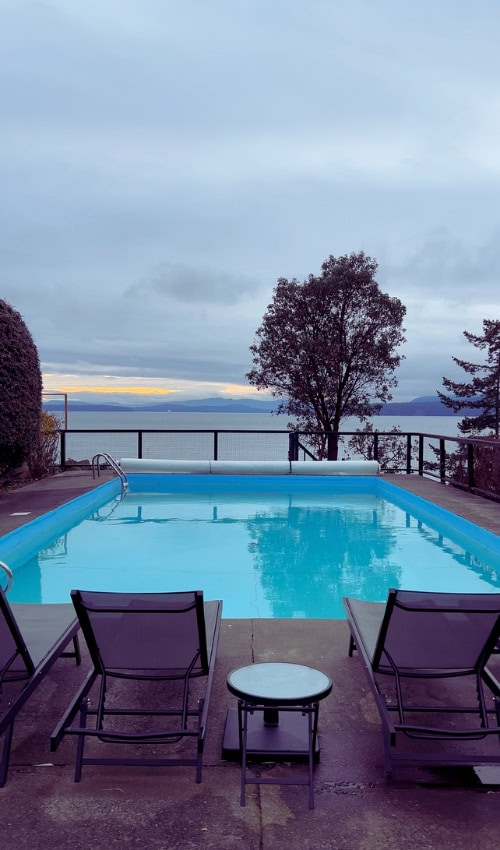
x,y
164,163
193,285
444,263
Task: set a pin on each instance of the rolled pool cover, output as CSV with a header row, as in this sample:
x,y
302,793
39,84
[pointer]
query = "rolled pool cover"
x,y
250,467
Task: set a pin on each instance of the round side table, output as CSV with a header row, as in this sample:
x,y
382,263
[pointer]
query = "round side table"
x,y
277,718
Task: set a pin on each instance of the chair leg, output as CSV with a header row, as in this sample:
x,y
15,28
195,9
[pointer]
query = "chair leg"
x,y
312,726
80,741
75,652
352,646
199,761
243,726
497,710
4,762
387,755
78,654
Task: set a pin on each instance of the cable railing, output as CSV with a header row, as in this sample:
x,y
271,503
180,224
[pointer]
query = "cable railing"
x,y
470,463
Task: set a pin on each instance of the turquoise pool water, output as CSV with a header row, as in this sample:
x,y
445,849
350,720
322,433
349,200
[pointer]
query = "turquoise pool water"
x,y
268,546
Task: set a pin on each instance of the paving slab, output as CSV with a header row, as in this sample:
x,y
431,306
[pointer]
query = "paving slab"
x,y
483,512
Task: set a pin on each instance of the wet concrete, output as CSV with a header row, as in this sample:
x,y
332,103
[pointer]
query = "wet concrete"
x,y
163,808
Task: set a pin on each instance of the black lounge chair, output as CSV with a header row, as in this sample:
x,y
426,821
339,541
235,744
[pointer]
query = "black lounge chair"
x,y
442,639
32,638
138,639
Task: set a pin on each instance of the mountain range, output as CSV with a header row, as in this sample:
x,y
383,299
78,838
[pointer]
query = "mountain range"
x,y
422,406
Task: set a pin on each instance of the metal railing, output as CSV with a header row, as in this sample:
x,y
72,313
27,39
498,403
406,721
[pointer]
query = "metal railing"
x,y
10,576
470,463
108,461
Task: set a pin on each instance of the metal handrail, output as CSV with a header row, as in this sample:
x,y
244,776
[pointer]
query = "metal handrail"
x,y
115,466
10,576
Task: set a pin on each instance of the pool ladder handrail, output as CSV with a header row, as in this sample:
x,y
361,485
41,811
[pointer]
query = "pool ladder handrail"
x,y
115,466
10,576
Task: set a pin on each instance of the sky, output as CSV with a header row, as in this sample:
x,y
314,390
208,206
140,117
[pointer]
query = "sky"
x,y
164,162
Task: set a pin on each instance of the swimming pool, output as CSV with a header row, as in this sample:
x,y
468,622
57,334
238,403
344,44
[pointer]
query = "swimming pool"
x,y
269,546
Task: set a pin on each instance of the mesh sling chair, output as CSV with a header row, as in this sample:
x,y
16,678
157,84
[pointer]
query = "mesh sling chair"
x,y
443,639
142,638
32,638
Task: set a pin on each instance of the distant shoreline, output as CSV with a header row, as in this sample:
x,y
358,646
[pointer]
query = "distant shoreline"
x,y
425,406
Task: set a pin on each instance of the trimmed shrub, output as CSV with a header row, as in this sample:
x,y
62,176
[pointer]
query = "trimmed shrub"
x,y
20,392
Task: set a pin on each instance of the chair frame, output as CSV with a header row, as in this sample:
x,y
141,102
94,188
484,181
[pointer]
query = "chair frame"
x,y
379,665
25,679
206,613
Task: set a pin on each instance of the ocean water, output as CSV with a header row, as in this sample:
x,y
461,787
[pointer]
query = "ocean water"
x,y
117,435
439,425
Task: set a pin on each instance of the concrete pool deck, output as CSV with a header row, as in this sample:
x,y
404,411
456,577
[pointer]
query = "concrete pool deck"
x,y
163,808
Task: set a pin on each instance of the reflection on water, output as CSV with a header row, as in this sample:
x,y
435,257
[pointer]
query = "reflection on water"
x,y
308,558
269,555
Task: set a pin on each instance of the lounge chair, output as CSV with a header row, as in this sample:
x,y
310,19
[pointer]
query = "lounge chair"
x,y
32,638
432,647
138,639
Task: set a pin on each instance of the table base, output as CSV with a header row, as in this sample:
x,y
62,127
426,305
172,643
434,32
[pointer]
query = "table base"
x,y
287,741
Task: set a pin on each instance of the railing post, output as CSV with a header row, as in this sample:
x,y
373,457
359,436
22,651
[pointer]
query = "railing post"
x,y
63,449
442,461
470,466
293,446
463,468
332,445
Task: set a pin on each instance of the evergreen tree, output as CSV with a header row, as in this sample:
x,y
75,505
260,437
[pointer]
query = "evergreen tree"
x,y
482,391
20,392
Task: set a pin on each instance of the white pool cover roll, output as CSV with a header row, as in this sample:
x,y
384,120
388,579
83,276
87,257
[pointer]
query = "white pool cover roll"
x,y
134,464
251,467
335,467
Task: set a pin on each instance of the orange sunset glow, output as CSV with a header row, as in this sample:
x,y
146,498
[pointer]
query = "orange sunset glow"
x,y
108,390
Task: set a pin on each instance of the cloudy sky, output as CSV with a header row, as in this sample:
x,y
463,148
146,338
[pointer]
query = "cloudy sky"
x,y
163,162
